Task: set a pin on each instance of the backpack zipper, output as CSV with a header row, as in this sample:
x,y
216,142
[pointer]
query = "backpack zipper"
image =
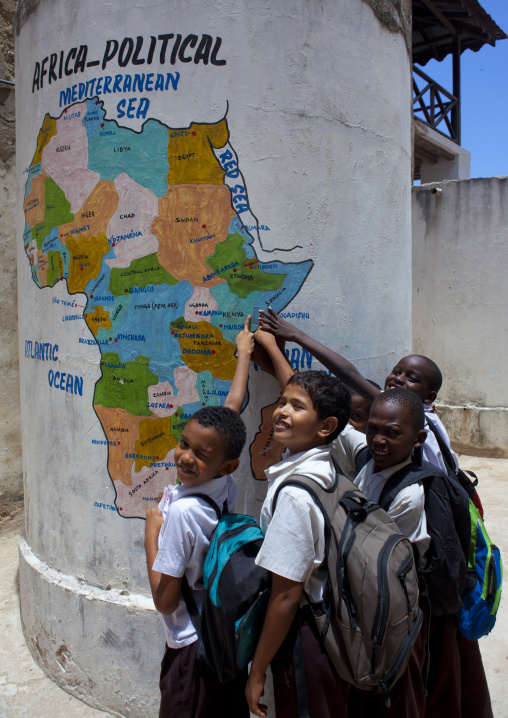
x,y
383,606
387,681
341,569
491,576
401,575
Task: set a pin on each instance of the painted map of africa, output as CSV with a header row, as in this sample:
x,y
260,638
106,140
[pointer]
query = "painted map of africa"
x,y
155,229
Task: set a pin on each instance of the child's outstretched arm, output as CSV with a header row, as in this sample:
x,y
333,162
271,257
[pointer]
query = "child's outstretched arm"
x,y
245,347
283,369
165,589
282,607
271,322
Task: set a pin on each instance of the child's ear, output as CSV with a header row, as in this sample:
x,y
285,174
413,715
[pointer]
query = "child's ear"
x,y
420,439
431,398
328,426
229,466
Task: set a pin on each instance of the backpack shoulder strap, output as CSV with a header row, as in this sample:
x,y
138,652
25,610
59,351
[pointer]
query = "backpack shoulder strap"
x,y
362,459
401,479
186,590
210,502
317,492
447,454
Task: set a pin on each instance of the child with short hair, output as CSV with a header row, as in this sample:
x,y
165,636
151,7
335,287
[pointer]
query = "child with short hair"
x,y
313,409
394,429
177,538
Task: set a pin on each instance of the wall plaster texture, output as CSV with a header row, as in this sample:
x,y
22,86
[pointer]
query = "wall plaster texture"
x,y
11,469
460,300
317,97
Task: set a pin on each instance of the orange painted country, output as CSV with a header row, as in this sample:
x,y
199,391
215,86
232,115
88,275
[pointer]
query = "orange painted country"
x,y
47,131
94,216
125,440
192,220
42,268
190,154
155,441
33,203
264,450
86,255
97,319
203,348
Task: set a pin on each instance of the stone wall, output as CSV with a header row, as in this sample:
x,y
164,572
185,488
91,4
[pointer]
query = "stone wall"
x,y
460,301
11,478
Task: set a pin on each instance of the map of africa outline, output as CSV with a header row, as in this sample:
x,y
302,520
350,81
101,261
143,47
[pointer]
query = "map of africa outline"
x,y
155,229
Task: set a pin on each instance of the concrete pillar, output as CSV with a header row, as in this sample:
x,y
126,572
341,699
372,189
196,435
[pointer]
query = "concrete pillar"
x,y
184,164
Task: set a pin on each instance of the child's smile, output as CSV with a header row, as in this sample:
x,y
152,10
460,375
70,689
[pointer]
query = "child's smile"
x,y
199,456
390,434
295,421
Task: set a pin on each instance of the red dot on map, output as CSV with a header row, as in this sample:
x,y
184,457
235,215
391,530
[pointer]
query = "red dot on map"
x,y
121,509
213,351
91,296
194,133
202,403
220,325
234,270
196,312
116,339
96,102
102,124
81,268
167,468
102,363
203,226
157,458
65,110
242,227
110,339
126,291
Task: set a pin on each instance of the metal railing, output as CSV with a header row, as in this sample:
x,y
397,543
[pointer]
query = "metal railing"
x,y
435,106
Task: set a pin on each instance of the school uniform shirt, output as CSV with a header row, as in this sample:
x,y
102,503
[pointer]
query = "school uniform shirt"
x,y
184,539
431,451
295,533
345,449
407,508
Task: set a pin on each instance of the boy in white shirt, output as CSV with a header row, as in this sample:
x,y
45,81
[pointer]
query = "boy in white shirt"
x,y
395,427
177,538
313,409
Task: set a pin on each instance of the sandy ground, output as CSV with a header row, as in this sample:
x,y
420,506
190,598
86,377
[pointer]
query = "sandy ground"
x,y
25,690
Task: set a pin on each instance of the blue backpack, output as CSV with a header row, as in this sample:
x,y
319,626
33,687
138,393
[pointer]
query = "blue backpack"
x,y
478,614
480,601
235,597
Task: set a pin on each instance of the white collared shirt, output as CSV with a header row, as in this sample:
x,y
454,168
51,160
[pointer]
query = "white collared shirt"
x,y
187,528
345,449
407,508
431,451
295,533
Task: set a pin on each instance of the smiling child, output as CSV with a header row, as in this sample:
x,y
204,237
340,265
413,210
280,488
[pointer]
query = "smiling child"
x,y
177,538
312,411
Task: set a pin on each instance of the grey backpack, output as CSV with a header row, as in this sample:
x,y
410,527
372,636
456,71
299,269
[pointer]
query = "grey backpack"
x,y
370,615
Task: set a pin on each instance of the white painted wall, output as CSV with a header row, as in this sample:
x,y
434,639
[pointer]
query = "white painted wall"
x,y
319,98
460,297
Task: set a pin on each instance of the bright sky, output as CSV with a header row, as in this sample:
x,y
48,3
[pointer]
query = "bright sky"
x,y
484,80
